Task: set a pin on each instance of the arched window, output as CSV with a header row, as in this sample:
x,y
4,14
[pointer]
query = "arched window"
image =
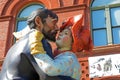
x,y
105,22
24,13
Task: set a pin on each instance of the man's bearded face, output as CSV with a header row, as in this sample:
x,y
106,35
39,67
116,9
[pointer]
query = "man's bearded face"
x,y
50,35
50,28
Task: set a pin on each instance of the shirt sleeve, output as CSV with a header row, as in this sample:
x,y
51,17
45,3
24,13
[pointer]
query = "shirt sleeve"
x,y
58,66
36,45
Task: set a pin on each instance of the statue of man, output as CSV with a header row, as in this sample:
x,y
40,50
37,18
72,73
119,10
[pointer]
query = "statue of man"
x,y
19,63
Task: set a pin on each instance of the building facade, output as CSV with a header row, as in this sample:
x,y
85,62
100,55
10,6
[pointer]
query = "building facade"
x,y
102,18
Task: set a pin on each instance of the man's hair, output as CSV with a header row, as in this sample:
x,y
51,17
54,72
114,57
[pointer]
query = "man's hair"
x,y
42,13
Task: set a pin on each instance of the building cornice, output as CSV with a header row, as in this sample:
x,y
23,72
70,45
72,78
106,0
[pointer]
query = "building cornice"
x,y
70,8
5,18
103,50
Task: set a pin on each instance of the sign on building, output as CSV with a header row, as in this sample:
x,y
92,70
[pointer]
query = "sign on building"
x,y
107,65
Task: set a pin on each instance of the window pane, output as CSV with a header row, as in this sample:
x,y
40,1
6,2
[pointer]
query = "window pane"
x,y
115,16
100,38
25,12
21,25
98,19
104,2
116,35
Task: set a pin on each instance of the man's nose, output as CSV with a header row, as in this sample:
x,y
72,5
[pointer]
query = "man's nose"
x,y
60,34
57,28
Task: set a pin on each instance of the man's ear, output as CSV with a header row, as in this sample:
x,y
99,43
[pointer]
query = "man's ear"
x,y
38,22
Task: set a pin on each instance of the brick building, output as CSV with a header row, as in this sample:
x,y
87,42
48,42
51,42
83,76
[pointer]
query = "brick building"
x,y
100,17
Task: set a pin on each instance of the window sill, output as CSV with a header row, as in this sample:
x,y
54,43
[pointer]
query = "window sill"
x,y
103,50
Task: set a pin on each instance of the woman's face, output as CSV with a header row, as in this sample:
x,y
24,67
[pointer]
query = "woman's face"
x,y
64,38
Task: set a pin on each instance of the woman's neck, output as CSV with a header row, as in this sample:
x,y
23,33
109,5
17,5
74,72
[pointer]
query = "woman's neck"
x,y
64,49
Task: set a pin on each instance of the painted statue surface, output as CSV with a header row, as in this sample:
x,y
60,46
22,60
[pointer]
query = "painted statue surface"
x,y
31,57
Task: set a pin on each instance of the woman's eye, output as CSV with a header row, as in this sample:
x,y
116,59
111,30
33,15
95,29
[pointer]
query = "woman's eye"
x,y
66,33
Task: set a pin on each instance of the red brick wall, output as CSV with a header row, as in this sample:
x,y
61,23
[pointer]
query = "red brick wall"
x,y
3,37
4,32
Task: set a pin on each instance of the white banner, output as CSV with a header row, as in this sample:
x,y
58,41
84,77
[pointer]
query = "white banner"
x,y
106,65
